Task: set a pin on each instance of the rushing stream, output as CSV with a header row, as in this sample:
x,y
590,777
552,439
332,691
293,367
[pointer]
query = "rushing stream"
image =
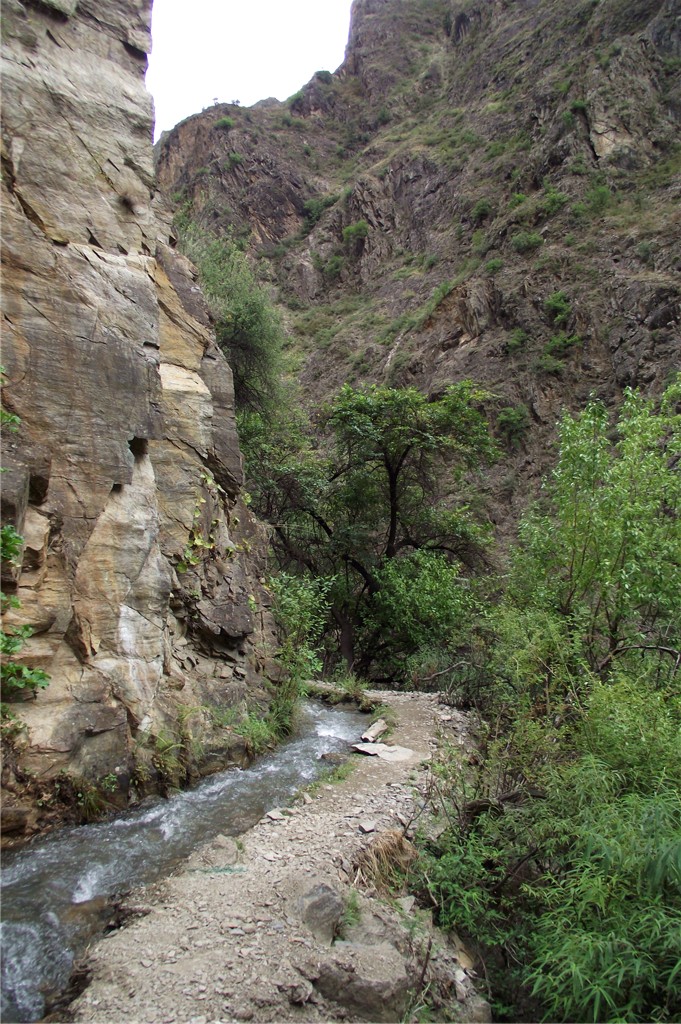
x,y
54,891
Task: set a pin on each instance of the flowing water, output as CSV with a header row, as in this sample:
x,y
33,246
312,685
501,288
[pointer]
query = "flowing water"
x,y
54,892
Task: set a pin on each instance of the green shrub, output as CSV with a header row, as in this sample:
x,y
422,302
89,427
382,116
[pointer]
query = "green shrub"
x,y
300,609
561,854
516,340
257,731
355,232
553,202
314,208
496,148
562,344
422,597
224,122
526,241
15,678
558,307
333,268
513,423
516,199
247,327
546,363
644,251
235,159
324,76
481,210
578,107
599,198
494,266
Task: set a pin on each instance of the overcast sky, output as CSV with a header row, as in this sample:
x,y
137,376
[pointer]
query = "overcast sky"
x,y
242,50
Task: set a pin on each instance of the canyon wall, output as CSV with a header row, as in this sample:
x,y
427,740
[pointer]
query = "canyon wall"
x,y
142,570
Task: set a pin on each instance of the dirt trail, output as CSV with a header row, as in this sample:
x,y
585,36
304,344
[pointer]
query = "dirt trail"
x,y
252,929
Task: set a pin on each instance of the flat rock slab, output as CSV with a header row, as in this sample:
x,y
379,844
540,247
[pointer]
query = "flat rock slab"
x,y
385,752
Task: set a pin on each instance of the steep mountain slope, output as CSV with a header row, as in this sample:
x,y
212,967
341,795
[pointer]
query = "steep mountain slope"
x,y
481,190
123,477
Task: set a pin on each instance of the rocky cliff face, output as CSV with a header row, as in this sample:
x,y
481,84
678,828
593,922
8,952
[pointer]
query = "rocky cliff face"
x,y
141,573
497,154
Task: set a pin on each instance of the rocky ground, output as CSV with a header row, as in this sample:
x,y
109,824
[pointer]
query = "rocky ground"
x,y
293,921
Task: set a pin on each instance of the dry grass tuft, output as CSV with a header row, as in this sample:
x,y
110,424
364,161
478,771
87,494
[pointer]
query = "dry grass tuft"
x,y
385,863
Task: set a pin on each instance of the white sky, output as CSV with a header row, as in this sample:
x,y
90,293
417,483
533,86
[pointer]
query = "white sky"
x,y
242,50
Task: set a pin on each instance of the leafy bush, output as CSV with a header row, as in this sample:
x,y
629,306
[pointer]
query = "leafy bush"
x,y
562,852
247,326
553,201
314,208
598,198
225,122
355,232
300,609
526,241
546,363
481,210
324,76
562,344
15,678
421,598
516,340
333,268
512,423
494,266
558,307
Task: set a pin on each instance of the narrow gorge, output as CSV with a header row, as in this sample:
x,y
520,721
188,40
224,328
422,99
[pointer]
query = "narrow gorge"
x,y
369,395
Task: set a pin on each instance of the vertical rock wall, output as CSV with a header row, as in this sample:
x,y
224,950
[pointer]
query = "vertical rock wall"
x,y
141,570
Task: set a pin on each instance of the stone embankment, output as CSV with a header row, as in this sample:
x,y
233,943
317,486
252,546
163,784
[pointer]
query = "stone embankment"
x,y
296,921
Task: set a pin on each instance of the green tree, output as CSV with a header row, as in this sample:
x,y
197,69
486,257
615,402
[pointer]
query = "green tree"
x,y
380,486
606,556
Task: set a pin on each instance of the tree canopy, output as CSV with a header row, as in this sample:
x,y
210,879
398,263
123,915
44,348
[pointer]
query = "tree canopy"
x,y
380,484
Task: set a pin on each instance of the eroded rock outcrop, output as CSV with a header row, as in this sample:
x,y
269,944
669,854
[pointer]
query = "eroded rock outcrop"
x,y
142,570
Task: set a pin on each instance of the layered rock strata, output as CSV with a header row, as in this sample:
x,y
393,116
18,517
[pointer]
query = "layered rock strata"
x,y
141,572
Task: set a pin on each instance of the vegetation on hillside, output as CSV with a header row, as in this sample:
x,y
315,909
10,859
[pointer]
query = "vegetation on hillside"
x,y
561,857
247,327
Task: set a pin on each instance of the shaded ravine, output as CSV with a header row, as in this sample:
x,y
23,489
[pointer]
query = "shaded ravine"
x,y
54,892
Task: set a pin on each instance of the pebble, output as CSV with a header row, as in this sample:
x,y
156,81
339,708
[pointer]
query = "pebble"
x,y
367,826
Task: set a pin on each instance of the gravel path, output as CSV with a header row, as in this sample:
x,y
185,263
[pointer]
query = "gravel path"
x,y
249,929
